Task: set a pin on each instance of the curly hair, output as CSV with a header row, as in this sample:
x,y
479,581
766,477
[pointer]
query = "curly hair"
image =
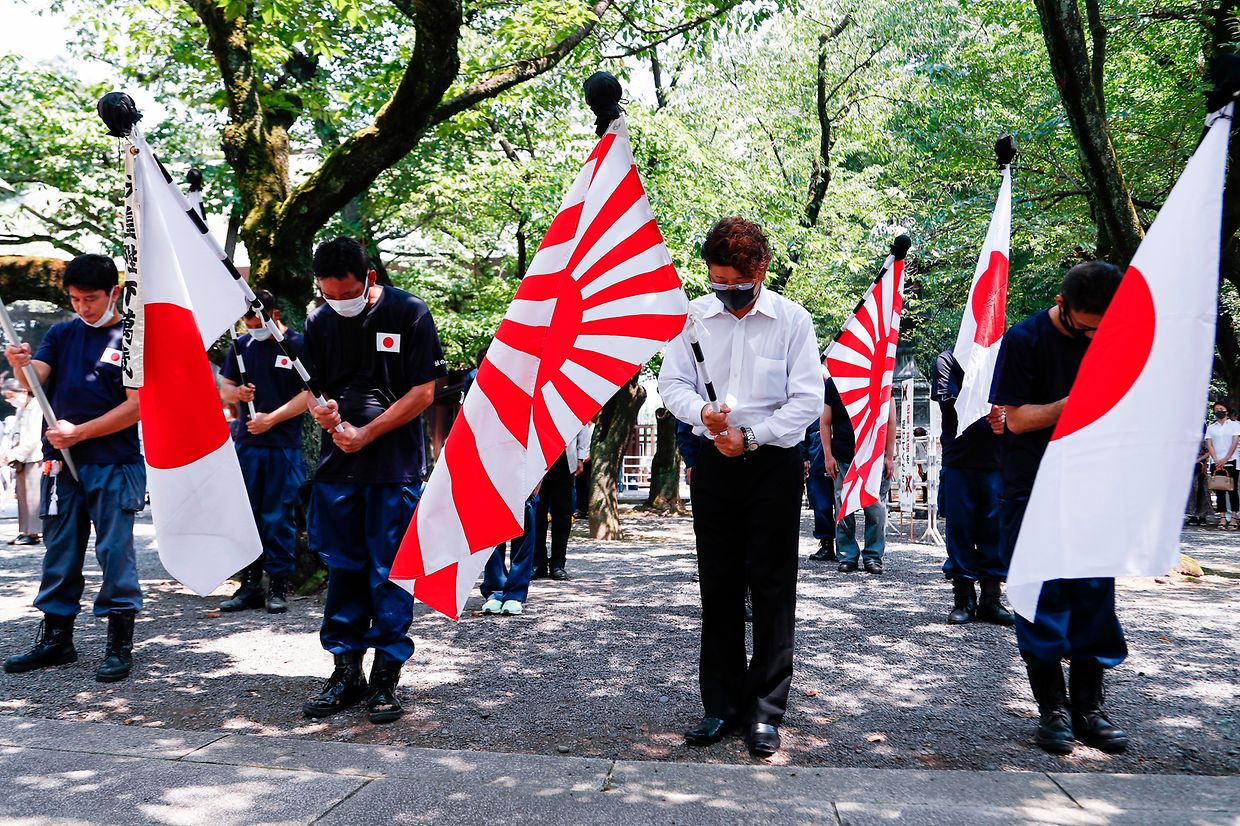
x,y
736,242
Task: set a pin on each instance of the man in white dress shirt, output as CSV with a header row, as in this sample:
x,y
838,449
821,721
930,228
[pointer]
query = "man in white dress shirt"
x,y
748,480
555,503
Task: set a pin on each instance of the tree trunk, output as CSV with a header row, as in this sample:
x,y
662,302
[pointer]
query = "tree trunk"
x,y
665,467
1227,337
607,451
1075,74
24,278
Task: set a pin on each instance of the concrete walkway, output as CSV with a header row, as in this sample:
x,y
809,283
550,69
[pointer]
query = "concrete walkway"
x,y
69,772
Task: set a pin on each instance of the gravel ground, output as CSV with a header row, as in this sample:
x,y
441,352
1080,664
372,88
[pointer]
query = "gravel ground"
x,y
606,665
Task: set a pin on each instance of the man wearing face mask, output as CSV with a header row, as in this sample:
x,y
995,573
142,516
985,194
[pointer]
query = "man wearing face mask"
x,y
79,364
1075,619
748,479
269,451
374,353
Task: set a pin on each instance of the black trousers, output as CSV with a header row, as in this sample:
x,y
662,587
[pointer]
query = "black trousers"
x,y
555,498
582,481
747,518
1223,498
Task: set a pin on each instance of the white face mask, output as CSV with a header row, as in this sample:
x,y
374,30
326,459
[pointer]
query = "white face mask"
x,y
106,318
260,333
350,307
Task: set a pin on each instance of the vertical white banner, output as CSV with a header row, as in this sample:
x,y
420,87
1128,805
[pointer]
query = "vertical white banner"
x,y
908,447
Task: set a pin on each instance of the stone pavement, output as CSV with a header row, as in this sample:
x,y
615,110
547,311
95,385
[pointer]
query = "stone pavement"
x,y
62,772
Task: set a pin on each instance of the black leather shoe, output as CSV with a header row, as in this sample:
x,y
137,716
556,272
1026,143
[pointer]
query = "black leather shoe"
x,y
964,604
344,688
383,706
53,645
1054,732
250,594
1089,722
825,553
710,730
989,608
847,567
277,595
118,657
559,574
25,539
874,566
539,573
762,739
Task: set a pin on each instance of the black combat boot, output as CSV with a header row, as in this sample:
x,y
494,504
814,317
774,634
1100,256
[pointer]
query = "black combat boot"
x,y
277,595
965,604
250,594
383,704
825,552
989,608
53,645
344,688
1054,728
118,656
1089,723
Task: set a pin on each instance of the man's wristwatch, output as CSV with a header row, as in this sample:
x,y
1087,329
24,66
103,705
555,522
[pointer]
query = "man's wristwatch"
x,y
748,440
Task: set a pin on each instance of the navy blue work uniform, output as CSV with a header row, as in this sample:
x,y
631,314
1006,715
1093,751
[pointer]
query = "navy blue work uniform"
x,y
361,503
271,462
819,487
968,485
84,384
1075,617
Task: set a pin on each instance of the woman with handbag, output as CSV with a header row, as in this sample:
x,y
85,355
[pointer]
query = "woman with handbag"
x,y
1222,438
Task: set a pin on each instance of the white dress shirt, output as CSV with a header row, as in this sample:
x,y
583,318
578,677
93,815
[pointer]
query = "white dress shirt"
x,y
578,447
764,366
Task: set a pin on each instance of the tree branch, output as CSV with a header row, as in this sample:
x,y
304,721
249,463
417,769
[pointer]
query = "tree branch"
x,y
521,71
668,34
1098,56
35,238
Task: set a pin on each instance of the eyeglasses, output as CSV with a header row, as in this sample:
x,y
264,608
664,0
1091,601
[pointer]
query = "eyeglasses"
x,y
1065,317
720,288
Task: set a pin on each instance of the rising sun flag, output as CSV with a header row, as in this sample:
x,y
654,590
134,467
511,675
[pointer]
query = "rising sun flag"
x,y
1134,412
861,361
600,299
179,297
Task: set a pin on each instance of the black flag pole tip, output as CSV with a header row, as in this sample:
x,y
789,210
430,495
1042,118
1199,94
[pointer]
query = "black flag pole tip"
x,y
119,113
194,179
900,247
1005,150
603,94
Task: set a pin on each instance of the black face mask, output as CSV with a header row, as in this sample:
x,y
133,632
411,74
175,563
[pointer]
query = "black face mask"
x,y
1065,318
1220,414
737,300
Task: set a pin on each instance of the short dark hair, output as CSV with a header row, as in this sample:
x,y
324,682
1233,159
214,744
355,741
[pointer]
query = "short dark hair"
x,y
340,258
268,301
91,272
739,243
1222,404
1089,287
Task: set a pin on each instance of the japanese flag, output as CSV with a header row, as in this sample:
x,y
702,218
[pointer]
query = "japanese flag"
x,y
981,328
1109,496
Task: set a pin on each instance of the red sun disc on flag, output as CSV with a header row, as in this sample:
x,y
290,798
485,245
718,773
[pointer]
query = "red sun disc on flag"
x,y
1115,358
990,300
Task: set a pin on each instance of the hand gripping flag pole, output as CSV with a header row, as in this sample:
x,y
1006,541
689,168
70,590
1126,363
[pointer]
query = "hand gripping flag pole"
x,y
119,112
194,179
696,331
32,379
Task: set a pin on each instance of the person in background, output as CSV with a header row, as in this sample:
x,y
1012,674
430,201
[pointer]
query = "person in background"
x,y
1222,438
505,588
820,489
1200,511
79,364
1075,618
841,449
748,480
374,352
581,483
555,505
268,450
23,455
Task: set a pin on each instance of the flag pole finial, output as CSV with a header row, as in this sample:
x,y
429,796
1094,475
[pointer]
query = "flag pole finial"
x,y
900,247
194,179
603,94
119,113
1005,150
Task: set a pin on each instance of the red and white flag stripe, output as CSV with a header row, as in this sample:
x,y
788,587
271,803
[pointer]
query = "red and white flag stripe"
x,y
862,362
601,297
985,313
1109,497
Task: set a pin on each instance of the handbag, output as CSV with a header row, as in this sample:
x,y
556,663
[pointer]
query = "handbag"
x,y
1220,479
